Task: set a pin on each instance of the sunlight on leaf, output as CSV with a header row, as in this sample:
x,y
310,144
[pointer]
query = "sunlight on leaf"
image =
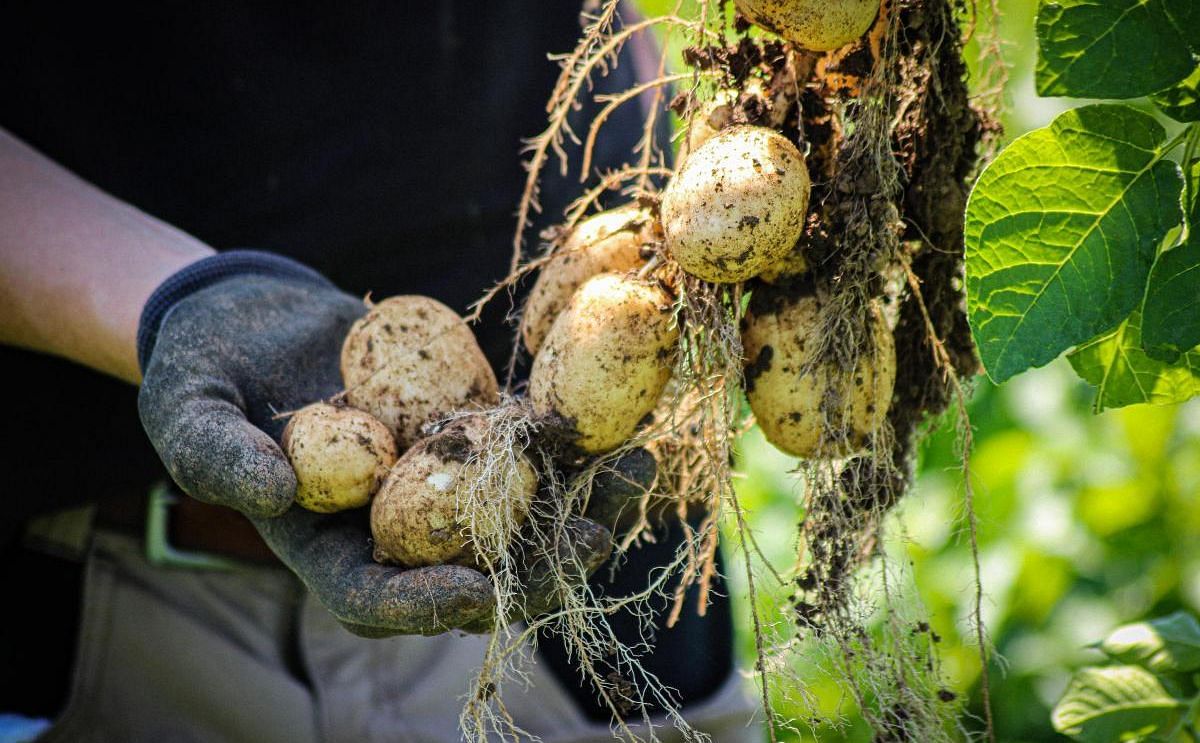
x,y
1061,231
1124,375
1116,48
1167,644
1116,703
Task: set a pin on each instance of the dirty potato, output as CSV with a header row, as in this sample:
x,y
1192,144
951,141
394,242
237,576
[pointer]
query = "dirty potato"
x,y
807,409
415,517
606,360
818,25
737,206
411,359
608,241
340,456
712,116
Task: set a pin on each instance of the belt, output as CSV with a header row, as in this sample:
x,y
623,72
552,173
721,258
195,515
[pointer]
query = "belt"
x,y
183,532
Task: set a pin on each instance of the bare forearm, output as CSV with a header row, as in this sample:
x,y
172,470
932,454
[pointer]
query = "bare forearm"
x,y
76,265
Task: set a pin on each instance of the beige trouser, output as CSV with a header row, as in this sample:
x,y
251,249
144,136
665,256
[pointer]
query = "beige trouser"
x,y
188,655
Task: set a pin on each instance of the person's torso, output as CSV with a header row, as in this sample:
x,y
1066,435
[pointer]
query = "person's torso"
x,y
377,142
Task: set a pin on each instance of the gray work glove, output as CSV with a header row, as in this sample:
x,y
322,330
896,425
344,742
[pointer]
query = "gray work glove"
x,y
225,345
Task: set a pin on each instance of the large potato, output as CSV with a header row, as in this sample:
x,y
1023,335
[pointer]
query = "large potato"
x,y
415,517
819,25
737,206
340,456
608,241
779,345
411,359
606,360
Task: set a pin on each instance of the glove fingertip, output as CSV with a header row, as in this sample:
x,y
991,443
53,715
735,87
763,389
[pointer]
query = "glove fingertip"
x,y
368,632
267,485
459,596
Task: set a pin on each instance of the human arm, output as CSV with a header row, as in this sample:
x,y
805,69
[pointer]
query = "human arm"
x,y
76,264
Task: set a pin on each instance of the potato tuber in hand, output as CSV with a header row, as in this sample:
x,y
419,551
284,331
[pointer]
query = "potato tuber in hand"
x,y
411,360
225,359
415,516
340,455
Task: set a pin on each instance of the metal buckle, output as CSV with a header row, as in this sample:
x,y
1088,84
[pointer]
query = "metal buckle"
x,y
160,552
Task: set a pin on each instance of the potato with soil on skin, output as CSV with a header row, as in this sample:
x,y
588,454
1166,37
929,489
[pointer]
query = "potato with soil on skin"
x,y
608,241
790,266
606,360
779,349
414,517
708,121
817,25
737,206
411,359
340,456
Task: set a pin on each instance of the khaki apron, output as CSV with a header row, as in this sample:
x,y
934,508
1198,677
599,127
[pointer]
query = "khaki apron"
x,y
248,655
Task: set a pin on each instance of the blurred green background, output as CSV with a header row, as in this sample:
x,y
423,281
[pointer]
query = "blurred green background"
x,y
1085,521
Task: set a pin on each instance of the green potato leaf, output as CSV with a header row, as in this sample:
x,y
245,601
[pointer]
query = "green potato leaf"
x,y
1115,48
1171,310
1125,375
1117,703
1061,232
1181,101
1168,644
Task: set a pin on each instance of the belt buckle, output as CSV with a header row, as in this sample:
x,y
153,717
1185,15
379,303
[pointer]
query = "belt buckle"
x,y
159,550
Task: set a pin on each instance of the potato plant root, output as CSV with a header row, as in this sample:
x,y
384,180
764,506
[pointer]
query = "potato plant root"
x,y
890,141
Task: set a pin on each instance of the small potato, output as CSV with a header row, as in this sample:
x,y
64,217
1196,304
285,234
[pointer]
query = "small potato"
x,y
411,359
340,456
779,347
713,116
415,517
737,206
606,360
608,241
817,25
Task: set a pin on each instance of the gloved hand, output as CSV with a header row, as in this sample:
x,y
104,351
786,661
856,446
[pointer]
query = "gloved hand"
x,y
226,345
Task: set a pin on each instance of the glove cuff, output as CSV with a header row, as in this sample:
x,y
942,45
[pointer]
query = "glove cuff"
x,y
203,274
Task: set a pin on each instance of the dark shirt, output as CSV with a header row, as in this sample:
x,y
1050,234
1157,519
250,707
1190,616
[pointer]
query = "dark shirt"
x,y
378,142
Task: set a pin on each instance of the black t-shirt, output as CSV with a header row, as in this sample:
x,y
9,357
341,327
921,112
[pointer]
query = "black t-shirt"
x,y
378,142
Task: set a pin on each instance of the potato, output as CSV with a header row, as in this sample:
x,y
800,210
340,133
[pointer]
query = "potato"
x,y
792,264
711,118
737,206
608,241
411,359
779,346
606,359
818,25
415,517
340,456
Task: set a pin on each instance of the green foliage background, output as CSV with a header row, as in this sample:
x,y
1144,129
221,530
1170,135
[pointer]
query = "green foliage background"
x,y
1086,521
